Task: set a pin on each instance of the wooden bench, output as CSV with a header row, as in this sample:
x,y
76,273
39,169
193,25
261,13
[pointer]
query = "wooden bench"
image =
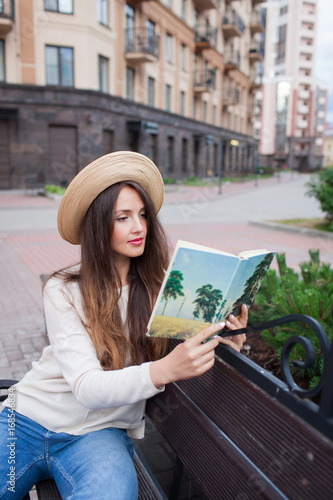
x,y
238,432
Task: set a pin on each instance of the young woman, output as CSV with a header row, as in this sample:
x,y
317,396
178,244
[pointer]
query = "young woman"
x,y
72,416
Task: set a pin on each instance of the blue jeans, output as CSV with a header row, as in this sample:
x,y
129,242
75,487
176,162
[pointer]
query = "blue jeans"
x,y
96,465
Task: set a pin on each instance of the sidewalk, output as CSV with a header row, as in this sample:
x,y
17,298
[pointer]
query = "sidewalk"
x,y
198,214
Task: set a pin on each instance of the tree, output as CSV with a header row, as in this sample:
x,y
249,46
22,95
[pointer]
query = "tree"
x,y
207,301
252,284
321,187
173,288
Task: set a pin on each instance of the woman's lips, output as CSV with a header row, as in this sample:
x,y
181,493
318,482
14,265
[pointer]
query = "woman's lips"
x,y
137,241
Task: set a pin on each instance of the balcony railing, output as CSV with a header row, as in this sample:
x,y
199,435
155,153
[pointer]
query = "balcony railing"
x,y
205,37
257,22
232,25
254,109
256,53
231,60
204,81
141,45
255,78
230,97
7,14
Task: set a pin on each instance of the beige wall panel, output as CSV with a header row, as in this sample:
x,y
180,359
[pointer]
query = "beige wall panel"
x,y
86,36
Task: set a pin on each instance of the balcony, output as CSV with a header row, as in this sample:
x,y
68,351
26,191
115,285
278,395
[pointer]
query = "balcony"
x,y
231,60
257,22
232,25
254,109
206,4
204,81
205,37
303,109
255,79
256,2
256,54
305,64
303,124
141,45
6,16
230,97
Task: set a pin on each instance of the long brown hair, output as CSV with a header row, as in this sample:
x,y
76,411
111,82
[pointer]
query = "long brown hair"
x,y
100,283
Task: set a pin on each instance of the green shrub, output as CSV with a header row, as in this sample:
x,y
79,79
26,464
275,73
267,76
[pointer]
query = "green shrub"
x,y
194,181
168,180
52,188
321,187
286,292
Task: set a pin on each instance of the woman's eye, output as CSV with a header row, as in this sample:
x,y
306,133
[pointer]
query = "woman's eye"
x,y
121,219
144,215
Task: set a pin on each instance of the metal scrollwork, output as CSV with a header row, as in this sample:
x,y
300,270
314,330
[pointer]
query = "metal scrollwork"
x,y
309,360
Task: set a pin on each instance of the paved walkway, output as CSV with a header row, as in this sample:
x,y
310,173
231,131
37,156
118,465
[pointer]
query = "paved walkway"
x,y
30,246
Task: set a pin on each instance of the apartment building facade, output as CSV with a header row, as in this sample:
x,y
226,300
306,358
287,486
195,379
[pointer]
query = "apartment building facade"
x,y
175,80
294,102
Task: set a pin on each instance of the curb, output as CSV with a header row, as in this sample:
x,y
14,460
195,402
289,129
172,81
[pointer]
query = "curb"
x,y
315,233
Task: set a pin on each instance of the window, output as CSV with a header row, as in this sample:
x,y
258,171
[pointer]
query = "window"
x,y
151,39
182,103
103,73
183,14
168,48
214,115
61,6
204,111
168,97
184,155
170,155
183,57
151,91
152,154
2,61
103,12
195,101
59,66
130,83
281,45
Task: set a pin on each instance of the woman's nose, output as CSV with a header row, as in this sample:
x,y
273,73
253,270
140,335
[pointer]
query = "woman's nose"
x,y
137,225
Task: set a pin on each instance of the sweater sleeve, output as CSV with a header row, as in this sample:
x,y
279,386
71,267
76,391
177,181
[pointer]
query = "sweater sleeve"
x,y
76,356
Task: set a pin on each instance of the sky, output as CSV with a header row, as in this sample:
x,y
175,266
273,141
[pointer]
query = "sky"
x,y
201,268
324,51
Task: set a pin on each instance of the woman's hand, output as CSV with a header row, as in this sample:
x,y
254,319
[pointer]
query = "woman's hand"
x,y
236,341
188,359
196,355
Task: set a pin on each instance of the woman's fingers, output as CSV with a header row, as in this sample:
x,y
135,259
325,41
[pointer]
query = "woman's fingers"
x,y
234,323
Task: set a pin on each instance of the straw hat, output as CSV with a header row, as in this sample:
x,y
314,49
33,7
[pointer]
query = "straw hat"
x,y
97,176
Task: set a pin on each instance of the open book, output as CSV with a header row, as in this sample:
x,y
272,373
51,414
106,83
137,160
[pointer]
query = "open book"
x,y
203,286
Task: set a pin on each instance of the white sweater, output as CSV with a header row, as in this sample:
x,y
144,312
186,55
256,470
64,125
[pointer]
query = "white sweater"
x,y
67,390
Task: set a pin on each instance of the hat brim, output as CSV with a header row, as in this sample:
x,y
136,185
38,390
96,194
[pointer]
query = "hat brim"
x,y
99,175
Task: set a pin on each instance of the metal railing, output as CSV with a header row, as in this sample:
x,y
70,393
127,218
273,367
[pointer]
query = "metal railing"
x,y
234,19
232,58
205,79
141,40
7,9
203,33
289,392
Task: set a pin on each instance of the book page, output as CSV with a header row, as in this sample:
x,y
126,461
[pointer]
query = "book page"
x,y
250,253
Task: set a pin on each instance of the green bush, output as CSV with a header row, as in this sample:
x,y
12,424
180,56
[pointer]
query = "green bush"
x,y
286,292
321,187
52,188
168,180
195,181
